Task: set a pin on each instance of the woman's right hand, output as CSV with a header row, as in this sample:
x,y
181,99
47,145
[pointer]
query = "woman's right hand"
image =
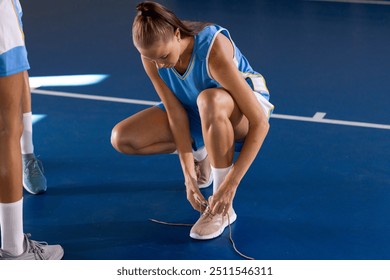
x,y
194,196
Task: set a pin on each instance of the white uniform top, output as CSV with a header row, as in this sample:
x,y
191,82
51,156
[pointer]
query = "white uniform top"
x,y
13,54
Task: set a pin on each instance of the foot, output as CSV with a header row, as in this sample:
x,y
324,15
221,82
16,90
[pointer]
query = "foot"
x,y
203,173
211,226
35,251
33,179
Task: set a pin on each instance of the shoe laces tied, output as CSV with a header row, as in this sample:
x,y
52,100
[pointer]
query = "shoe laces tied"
x,y
36,247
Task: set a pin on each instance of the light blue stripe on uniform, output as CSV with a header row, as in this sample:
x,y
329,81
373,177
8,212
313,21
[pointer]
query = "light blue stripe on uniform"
x,y
19,12
13,61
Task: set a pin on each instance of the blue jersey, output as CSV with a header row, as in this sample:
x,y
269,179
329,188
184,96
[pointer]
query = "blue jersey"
x,y
197,78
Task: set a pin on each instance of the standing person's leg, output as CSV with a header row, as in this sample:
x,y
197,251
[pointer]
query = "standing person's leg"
x,y
11,202
34,181
15,245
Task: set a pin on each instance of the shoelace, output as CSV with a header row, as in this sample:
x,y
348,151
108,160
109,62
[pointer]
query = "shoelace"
x,y
36,247
36,165
190,225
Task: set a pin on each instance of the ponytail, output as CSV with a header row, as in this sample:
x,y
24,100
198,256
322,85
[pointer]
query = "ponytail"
x,y
154,22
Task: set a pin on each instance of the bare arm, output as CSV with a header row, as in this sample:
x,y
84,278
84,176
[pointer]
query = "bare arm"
x,y
223,70
179,125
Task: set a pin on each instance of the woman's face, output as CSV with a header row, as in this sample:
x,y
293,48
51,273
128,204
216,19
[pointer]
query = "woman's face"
x,y
165,53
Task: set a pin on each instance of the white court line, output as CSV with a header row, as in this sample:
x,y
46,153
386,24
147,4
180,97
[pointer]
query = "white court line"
x,y
371,2
92,97
330,121
317,118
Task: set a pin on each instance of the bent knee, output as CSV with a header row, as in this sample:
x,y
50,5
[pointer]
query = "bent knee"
x,y
214,104
115,138
126,140
207,99
119,141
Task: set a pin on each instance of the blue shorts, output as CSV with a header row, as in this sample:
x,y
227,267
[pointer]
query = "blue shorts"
x,y
196,125
13,53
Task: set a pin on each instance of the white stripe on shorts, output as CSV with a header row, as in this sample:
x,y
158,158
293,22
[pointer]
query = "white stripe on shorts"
x,y
265,104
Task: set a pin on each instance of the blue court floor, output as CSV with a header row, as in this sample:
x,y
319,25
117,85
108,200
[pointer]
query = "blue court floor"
x,y
319,188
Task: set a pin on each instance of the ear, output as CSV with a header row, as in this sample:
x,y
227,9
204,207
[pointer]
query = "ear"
x,y
177,34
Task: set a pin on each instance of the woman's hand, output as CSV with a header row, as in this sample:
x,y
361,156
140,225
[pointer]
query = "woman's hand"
x,y
222,200
194,196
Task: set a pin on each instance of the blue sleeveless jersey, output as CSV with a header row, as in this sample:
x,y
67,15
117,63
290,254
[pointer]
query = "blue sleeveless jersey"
x,y
197,78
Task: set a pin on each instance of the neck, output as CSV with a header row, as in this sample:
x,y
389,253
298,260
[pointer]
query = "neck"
x,y
187,47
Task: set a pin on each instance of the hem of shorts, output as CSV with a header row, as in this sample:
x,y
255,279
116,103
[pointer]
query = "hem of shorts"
x,y
14,71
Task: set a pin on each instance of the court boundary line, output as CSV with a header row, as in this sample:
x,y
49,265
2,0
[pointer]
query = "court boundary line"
x,y
319,117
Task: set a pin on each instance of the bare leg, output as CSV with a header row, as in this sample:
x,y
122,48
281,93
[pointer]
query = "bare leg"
x,y
34,181
11,89
26,141
222,123
144,133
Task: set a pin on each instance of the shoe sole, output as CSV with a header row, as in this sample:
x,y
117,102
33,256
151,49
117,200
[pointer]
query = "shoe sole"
x,y
28,190
60,255
217,233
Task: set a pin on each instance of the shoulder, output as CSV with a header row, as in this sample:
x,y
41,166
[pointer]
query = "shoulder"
x,y
221,55
222,50
209,32
206,38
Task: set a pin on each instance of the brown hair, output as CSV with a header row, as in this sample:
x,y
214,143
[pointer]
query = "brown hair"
x,y
154,22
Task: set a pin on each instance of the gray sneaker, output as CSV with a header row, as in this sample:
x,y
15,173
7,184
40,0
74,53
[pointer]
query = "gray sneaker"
x,y
35,251
33,179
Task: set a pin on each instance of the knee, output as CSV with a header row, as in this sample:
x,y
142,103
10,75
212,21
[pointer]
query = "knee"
x,y
210,106
118,139
125,140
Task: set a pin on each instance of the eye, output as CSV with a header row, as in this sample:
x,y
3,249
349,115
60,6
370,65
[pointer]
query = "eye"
x,y
164,56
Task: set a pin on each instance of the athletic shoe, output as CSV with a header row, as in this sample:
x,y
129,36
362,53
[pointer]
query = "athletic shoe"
x,y
33,179
211,226
203,173
35,251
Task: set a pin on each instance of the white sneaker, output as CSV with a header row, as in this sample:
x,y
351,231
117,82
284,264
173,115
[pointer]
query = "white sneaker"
x,y
209,226
35,251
